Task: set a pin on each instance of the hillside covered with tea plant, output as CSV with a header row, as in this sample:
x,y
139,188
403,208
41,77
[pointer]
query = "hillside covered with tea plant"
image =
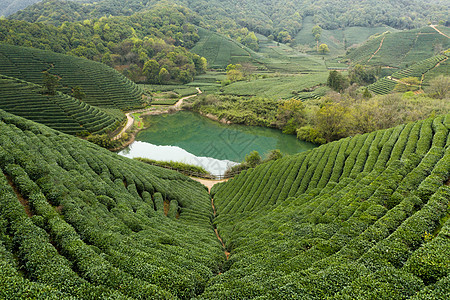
x,y
339,221
58,111
78,221
360,218
101,85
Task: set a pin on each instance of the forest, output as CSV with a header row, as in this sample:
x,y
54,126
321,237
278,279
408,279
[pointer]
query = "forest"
x,y
157,38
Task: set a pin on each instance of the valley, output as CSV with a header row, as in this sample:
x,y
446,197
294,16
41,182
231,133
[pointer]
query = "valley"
x,y
257,149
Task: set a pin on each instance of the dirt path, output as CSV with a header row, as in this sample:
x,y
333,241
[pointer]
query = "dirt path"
x,y
180,102
22,200
381,44
209,184
149,111
130,122
440,32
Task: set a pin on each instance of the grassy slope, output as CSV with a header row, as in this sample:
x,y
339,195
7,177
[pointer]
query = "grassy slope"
x,y
96,226
342,220
102,85
60,111
221,51
424,70
335,39
400,49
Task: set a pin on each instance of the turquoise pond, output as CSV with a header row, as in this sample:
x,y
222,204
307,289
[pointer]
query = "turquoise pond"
x,y
191,138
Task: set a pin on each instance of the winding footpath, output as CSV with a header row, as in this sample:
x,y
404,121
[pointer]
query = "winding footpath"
x,y
440,32
381,45
149,111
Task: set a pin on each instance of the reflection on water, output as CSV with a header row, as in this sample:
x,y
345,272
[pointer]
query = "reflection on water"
x,y
191,138
174,153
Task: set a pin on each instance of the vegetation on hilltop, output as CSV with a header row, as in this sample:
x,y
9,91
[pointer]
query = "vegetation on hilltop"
x,y
157,37
279,19
101,85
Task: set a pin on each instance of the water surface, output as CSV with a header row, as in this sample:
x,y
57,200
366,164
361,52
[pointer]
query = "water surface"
x,y
191,138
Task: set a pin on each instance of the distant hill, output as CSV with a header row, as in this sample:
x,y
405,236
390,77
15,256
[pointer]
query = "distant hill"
x,y
8,7
103,86
271,17
400,49
159,37
60,111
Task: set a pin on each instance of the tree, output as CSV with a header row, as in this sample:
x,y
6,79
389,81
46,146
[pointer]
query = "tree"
x,y
151,71
163,75
274,155
51,83
336,81
253,159
439,87
235,75
234,72
323,49
366,94
77,92
284,37
185,76
290,116
361,76
331,121
316,32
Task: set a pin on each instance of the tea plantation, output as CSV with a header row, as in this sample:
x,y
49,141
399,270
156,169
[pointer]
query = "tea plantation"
x,y
103,86
361,218
399,49
90,224
60,111
423,70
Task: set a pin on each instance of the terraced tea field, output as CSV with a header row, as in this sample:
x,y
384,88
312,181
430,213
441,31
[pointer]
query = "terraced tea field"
x,y
419,70
338,221
60,111
399,49
342,220
103,86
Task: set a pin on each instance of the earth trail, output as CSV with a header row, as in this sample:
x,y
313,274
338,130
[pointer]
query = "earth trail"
x,y
149,111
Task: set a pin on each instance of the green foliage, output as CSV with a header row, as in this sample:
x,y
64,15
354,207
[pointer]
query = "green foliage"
x,y
336,81
96,226
179,166
50,83
323,49
125,43
58,111
439,87
253,159
102,85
